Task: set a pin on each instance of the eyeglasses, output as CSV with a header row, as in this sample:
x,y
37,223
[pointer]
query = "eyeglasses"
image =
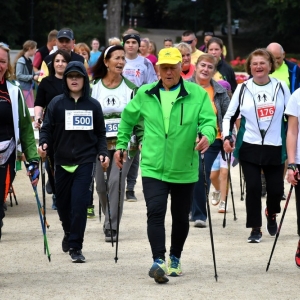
x,y
208,33
74,76
4,45
188,42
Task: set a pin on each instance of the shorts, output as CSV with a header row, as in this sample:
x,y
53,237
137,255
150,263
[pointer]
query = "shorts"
x,y
220,163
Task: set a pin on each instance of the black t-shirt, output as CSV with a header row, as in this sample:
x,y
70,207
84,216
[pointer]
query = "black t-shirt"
x,y
49,87
6,116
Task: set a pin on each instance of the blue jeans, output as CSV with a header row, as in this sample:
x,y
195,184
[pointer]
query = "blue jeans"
x,y
73,194
199,196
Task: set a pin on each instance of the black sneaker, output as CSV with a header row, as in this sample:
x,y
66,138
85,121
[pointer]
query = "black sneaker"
x,y
49,188
130,196
65,242
76,256
108,235
271,223
297,255
255,235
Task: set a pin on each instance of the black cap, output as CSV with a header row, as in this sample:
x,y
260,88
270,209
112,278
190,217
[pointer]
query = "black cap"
x,y
65,33
76,69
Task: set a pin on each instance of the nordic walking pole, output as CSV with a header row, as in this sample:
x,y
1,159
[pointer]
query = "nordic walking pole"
x,y
119,207
227,188
108,205
279,227
232,198
208,211
44,195
242,186
40,214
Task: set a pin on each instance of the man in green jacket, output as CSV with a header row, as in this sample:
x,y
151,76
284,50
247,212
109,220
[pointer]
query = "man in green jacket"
x,y
173,111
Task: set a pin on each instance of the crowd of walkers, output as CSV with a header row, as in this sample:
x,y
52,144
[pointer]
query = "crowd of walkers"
x,y
179,115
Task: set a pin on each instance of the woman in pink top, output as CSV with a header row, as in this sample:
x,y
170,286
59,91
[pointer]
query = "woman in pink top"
x,y
187,68
144,51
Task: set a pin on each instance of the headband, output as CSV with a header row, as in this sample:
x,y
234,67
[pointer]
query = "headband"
x,y
132,36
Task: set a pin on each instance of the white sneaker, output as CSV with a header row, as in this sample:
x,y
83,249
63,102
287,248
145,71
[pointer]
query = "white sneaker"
x,y
222,207
215,199
200,224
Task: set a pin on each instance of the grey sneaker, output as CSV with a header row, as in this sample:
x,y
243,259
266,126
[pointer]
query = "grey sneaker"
x,y
222,207
215,199
200,224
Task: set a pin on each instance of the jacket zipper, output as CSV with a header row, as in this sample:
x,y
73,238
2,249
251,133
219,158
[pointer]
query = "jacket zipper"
x,y
181,117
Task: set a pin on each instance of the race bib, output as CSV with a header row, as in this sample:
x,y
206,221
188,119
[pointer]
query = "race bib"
x,y
79,120
265,112
112,126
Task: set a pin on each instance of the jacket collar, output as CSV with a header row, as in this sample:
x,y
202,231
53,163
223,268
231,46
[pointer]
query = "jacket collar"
x,y
155,90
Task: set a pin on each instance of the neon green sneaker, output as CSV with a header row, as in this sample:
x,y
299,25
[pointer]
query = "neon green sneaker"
x,y
90,211
158,271
174,268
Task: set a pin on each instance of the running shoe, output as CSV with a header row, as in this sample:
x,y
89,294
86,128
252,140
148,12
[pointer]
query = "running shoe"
x,y
200,223
130,196
76,256
222,207
297,255
90,211
255,235
215,199
158,271
271,223
108,235
174,266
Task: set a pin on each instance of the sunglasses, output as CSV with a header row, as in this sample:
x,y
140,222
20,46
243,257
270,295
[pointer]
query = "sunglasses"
x,y
167,40
74,76
208,33
4,45
188,42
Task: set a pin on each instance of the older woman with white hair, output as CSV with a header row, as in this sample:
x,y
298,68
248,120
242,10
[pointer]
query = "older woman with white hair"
x,y
187,68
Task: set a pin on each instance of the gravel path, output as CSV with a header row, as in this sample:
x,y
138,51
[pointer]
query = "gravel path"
x,y
26,273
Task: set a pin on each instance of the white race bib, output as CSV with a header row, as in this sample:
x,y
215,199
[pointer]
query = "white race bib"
x,y
79,120
112,126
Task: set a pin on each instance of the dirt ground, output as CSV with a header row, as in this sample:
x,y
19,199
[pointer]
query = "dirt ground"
x,y
241,267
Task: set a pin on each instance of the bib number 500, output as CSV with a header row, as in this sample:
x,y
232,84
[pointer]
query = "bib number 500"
x,y
86,120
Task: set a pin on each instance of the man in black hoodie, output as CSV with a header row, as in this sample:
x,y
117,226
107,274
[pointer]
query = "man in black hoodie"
x,y
74,127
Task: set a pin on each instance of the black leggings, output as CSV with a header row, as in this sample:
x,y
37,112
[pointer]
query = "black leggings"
x,y
7,175
274,185
156,194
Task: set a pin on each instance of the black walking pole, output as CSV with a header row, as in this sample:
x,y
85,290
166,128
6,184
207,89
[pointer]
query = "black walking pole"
x,y
242,184
108,205
232,198
227,188
119,206
44,195
279,227
208,212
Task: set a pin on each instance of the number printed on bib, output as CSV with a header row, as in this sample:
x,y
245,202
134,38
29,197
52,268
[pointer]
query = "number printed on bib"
x,y
79,120
265,112
112,126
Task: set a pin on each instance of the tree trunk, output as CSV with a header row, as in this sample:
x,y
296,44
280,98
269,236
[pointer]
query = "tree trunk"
x,y
229,31
113,21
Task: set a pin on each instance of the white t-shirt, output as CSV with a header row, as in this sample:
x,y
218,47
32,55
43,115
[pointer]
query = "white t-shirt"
x,y
139,71
293,109
112,100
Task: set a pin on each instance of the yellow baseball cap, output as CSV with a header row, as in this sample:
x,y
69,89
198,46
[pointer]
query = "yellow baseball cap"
x,y
170,56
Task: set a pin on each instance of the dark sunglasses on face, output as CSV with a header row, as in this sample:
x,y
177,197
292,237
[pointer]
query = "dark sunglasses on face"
x,y
188,42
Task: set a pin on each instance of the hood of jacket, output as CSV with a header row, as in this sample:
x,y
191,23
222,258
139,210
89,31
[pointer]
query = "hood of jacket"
x,y
86,86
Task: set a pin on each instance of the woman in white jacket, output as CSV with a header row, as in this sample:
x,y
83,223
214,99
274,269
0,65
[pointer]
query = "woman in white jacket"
x,y
260,143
